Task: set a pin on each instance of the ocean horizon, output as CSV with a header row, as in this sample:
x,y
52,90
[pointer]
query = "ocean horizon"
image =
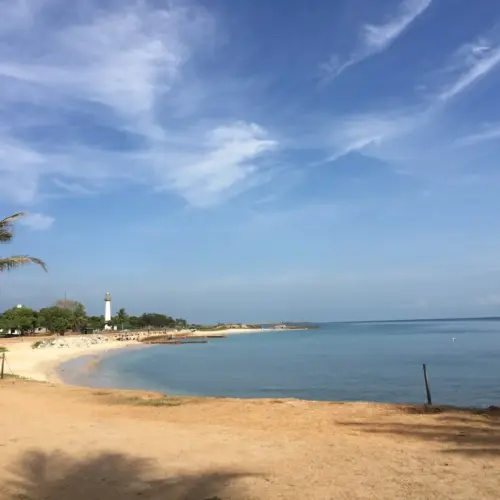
x,y
378,361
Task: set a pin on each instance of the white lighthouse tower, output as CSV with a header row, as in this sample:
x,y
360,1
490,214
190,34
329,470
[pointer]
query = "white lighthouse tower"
x,y
107,311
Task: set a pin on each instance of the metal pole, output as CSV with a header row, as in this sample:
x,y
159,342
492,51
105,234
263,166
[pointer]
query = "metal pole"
x,y
3,365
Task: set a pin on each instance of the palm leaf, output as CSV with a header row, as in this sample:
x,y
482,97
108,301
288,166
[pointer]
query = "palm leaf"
x,y
6,226
20,261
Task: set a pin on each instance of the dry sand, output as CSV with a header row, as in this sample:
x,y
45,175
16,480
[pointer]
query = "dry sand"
x,y
59,442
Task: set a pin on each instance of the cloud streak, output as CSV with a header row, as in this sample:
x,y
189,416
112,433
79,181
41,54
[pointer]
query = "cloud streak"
x,y
374,39
489,134
120,69
471,63
410,134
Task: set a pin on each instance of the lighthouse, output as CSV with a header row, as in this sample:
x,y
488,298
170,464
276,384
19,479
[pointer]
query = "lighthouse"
x,y
107,311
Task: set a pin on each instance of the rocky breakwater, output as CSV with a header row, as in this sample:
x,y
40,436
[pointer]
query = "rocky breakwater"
x,y
83,341
67,342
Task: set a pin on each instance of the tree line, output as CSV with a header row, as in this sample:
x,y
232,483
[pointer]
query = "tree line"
x,y
70,315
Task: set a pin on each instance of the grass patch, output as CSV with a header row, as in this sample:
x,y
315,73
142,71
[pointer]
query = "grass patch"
x,y
101,393
159,402
150,401
13,376
36,344
217,328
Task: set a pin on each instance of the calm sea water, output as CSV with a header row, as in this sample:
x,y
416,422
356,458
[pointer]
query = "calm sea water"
x,y
351,362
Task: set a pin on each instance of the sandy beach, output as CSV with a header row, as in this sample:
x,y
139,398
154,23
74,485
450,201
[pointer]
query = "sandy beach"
x,y
60,442
41,364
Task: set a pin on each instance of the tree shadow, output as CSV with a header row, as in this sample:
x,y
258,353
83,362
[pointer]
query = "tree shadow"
x,y
467,431
109,476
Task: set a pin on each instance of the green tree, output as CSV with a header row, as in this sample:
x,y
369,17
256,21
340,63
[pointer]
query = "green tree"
x,y
95,322
23,319
78,315
121,319
6,234
155,320
134,322
181,323
56,319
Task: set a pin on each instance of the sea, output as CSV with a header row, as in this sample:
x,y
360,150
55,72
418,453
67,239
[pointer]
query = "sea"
x,y
377,361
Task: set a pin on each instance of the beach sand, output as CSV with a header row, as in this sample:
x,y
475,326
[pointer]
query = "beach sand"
x,y
60,442
42,364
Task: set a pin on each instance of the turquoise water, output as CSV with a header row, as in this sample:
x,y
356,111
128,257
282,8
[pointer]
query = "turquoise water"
x,y
339,361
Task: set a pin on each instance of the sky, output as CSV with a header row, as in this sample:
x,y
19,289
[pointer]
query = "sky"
x,y
246,160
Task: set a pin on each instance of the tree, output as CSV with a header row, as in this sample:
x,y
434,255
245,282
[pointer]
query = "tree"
x,y
78,315
181,323
95,322
156,320
121,318
23,319
56,319
16,261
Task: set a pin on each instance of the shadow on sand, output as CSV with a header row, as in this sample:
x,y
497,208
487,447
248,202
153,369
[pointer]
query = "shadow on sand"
x,y
109,476
466,431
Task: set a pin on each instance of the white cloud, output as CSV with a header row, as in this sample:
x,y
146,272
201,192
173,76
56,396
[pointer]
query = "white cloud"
x,y
37,221
420,138
73,187
226,160
490,134
370,132
120,68
472,62
374,39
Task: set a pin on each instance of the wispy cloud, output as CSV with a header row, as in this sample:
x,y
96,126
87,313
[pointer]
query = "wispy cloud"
x,y
489,134
374,39
420,136
370,132
73,187
37,221
120,68
226,160
472,62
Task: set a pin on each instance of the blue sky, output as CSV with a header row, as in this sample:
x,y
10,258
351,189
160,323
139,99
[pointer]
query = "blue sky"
x,y
254,161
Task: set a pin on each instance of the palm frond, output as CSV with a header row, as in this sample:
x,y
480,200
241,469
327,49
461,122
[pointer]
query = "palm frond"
x,y
6,226
19,261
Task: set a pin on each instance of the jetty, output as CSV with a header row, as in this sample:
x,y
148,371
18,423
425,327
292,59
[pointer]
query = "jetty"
x,y
174,340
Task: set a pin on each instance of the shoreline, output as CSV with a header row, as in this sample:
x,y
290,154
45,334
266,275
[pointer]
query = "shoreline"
x,y
43,365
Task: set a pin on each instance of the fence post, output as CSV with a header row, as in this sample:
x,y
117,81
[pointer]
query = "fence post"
x,y
427,388
3,365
